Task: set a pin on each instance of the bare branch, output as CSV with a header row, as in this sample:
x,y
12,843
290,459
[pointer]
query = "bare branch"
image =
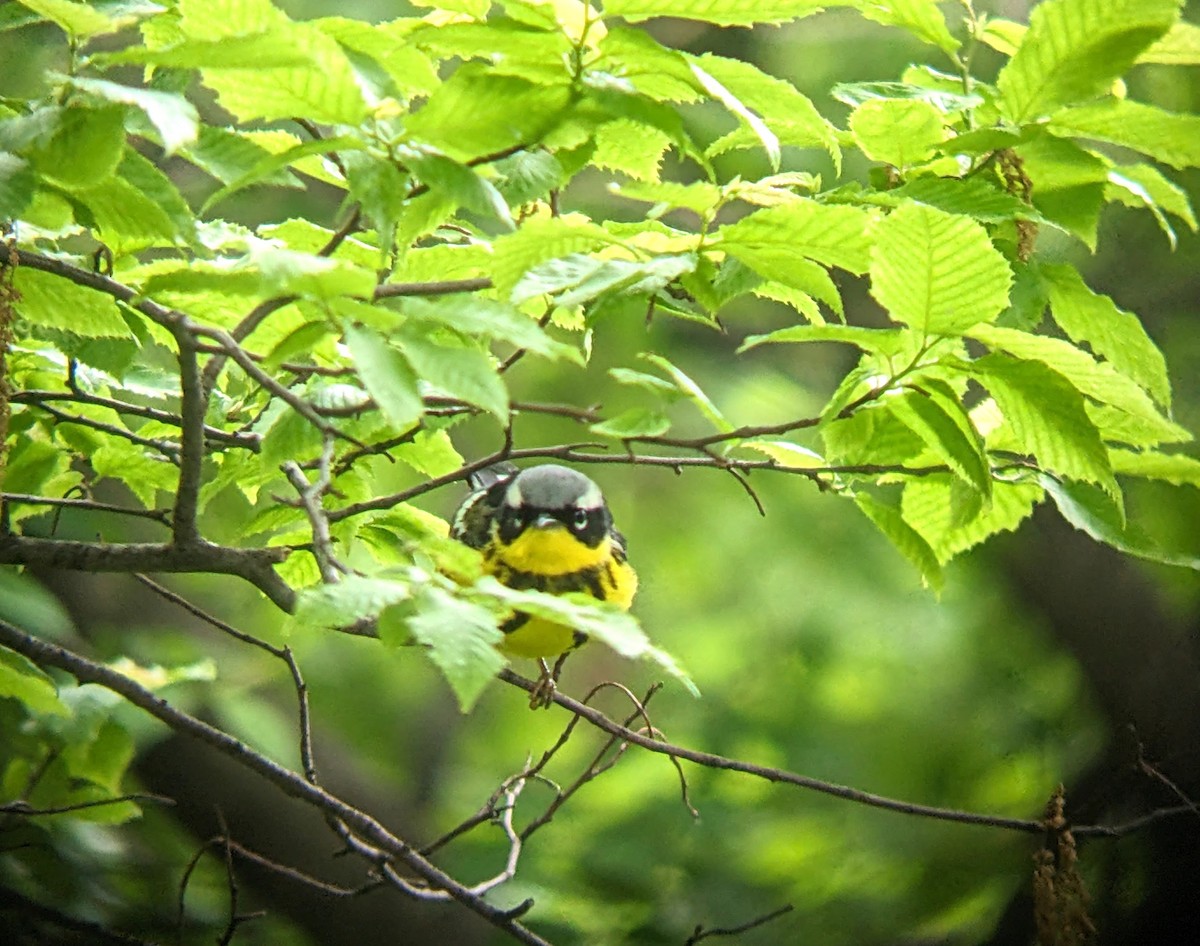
x,y
252,565
700,933
88,505
290,783
26,810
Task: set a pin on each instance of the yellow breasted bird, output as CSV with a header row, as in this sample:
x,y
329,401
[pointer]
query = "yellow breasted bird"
x,y
545,528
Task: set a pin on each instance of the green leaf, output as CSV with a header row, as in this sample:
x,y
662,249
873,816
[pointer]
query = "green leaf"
x,y
1093,511
691,390
285,272
475,113
26,604
270,164
597,619
1132,418
937,272
85,147
352,599
936,416
631,148
24,681
786,454
325,89
17,184
228,155
855,94
1175,468
837,235
491,320
880,341
1143,185
456,181
1075,50
172,115
53,302
540,240
1179,47
461,637
899,132
387,374
922,18
1046,414
929,506
752,121
82,20
634,422
966,196
721,12
907,540
1112,333
1168,137
459,371
577,279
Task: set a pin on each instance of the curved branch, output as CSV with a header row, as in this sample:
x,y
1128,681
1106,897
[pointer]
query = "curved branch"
x,y
252,565
290,783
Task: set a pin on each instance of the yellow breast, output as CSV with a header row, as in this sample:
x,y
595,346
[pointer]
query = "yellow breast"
x,y
554,560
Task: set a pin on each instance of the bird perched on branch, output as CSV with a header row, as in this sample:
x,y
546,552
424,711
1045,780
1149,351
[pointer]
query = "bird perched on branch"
x,y
546,528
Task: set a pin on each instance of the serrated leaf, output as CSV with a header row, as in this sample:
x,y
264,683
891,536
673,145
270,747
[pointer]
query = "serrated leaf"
x,y
1168,137
475,112
966,196
539,240
462,372
325,89
721,12
53,302
1112,333
634,422
351,599
691,390
836,235
880,341
928,505
82,20
85,147
175,118
489,319
1175,468
752,121
577,279
1180,46
1075,50
937,272
922,18
1136,419
461,637
1046,413
271,164
599,620
1143,185
1094,511
907,540
899,132
855,94
285,272
788,117
387,374
455,181
949,436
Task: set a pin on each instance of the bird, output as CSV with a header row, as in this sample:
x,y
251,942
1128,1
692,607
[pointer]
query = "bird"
x,y
544,528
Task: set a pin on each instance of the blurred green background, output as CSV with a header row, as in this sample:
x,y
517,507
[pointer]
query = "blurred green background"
x,y
814,645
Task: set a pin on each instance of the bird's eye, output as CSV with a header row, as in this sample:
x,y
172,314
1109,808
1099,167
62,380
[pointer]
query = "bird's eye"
x,y
581,519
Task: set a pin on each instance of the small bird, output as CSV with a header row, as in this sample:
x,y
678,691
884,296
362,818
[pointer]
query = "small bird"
x,y
545,528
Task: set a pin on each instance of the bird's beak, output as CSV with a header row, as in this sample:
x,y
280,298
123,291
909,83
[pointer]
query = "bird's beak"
x,y
546,521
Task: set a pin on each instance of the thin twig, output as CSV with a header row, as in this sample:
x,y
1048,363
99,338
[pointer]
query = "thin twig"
x,y
700,933
158,515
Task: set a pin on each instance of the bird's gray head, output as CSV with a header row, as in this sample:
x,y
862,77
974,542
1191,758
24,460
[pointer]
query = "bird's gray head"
x,y
551,487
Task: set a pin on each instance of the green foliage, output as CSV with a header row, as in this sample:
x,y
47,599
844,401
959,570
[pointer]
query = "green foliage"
x,y
464,264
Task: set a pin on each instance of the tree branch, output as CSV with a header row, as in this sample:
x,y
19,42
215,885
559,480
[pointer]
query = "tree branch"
x,y
290,783
252,565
